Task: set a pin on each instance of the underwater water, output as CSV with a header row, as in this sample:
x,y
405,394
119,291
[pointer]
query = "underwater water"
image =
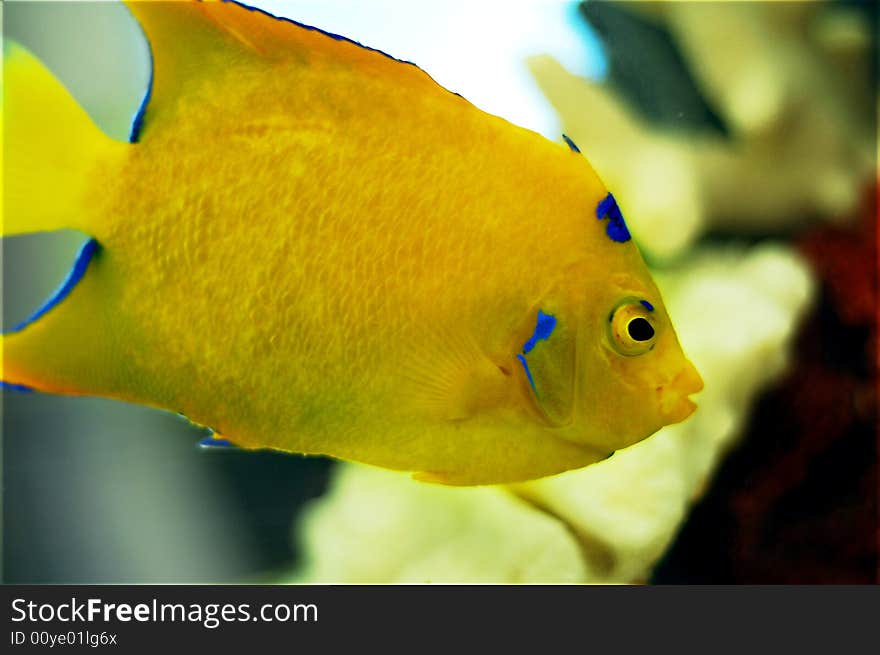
x,y
770,279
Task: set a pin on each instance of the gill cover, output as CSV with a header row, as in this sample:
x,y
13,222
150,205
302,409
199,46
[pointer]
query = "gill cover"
x,y
549,360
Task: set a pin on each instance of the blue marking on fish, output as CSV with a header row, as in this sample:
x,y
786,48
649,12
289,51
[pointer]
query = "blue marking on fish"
x,y
8,386
80,264
571,144
213,442
138,121
544,327
522,360
616,230
337,37
647,305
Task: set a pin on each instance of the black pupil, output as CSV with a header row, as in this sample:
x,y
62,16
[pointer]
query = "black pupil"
x,y
640,329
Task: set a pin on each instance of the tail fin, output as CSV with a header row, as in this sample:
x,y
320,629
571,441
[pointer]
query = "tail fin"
x,y
51,152
50,148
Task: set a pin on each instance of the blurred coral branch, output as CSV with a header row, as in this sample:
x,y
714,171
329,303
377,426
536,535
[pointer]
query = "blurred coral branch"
x,y
787,80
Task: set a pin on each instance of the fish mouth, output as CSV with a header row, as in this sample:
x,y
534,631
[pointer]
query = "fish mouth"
x,y
679,411
675,404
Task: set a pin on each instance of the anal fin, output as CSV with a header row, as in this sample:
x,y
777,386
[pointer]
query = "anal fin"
x,y
70,344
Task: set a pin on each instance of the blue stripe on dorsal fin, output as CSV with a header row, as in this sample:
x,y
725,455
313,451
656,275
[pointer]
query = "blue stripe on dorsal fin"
x,y
571,144
616,229
80,264
336,37
138,119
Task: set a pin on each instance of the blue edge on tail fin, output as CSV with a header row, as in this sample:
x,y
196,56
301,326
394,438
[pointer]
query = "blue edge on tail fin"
x,y
80,265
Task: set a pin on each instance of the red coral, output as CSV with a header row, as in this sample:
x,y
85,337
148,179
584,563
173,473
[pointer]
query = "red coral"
x,y
797,501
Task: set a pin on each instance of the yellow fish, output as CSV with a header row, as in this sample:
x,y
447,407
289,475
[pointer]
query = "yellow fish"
x,y
310,246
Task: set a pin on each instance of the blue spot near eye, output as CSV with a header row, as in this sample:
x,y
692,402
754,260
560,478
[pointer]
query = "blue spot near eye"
x,y
8,386
83,257
571,144
616,229
522,361
543,329
212,442
647,305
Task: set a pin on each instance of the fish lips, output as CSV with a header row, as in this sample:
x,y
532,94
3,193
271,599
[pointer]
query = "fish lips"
x,y
675,403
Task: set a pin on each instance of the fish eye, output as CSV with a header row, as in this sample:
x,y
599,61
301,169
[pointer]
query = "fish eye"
x,y
632,327
640,330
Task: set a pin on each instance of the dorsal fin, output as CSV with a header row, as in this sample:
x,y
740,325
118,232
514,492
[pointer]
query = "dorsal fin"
x,y
195,39
188,40
184,31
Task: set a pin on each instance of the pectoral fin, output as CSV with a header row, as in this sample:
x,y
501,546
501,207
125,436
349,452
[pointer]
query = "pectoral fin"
x,y
453,379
